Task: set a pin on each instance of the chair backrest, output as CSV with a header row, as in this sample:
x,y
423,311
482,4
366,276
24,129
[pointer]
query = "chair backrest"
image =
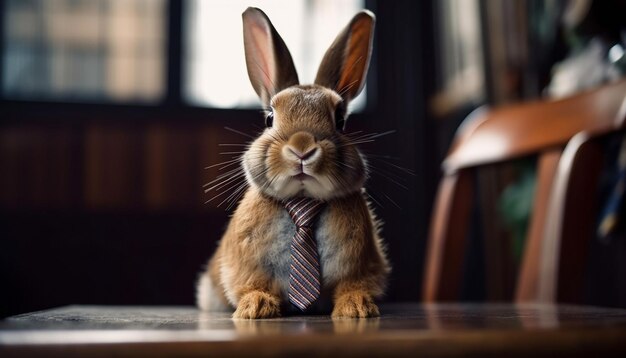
x,y
564,136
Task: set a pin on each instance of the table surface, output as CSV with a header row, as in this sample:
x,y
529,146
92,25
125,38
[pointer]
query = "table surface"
x,y
402,330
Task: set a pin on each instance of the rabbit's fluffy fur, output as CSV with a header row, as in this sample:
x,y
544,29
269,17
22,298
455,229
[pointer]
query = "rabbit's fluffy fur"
x,y
249,272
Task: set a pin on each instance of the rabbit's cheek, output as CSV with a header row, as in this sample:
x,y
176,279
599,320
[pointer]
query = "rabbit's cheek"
x,y
325,167
326,160
275,164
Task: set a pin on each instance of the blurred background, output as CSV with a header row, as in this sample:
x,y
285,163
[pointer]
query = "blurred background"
x,y
110,111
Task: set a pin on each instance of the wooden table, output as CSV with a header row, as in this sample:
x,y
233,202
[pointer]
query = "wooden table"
x,y
498,330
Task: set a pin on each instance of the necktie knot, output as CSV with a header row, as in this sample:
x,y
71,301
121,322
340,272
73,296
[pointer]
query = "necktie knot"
x,y
303,210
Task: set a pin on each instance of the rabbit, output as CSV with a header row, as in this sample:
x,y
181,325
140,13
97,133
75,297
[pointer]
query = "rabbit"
x,y
249,272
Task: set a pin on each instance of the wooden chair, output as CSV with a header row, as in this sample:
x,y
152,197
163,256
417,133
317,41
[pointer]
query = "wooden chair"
x,y
564,134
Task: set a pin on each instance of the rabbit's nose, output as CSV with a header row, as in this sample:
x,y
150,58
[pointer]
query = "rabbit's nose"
x,y
301,147
306,156
300,155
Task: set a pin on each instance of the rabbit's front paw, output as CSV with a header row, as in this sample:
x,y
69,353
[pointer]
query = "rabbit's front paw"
x,y
355,304
257,304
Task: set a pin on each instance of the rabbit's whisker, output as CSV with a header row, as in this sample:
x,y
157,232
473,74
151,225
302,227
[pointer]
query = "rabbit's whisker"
x,y
223,185
365,139
390,179
242,186
229,164
222,163
358,142
403,169
387,172
237,197
226,175
392,201
230,185
352,133
382,156
225,182
374,199
240,191
385,159
237,190
218,195
239,132
371,135
391,176
222,176
346,165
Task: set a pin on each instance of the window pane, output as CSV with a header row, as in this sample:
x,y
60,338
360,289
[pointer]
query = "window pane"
x,y
214,60
84,50
459,72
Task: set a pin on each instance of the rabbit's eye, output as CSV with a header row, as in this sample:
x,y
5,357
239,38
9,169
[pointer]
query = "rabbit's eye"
x,y
340,117
269,119
341,123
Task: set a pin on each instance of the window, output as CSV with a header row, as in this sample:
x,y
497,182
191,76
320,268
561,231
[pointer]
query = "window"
x,y
214,64
93,50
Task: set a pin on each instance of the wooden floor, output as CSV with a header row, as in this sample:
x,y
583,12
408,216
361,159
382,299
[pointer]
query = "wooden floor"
x,y
402,330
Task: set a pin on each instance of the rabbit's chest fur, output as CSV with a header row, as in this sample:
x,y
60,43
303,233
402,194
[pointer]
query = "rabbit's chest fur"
x,y
277,258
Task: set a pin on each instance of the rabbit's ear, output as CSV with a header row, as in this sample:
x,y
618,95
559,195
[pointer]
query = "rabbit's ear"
x,y
344,66
269,62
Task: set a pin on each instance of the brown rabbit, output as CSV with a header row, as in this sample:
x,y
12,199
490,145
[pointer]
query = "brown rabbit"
x,y
302,153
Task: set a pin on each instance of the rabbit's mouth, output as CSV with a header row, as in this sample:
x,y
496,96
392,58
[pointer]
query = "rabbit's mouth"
x,y
302,176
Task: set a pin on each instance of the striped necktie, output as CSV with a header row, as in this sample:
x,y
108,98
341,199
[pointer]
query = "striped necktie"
x,y
304,274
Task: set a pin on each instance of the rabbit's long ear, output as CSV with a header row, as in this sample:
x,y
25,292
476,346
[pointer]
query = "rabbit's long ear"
x,y
344,66
269,62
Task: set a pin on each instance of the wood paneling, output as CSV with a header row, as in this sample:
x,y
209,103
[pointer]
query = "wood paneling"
x,y
110,166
